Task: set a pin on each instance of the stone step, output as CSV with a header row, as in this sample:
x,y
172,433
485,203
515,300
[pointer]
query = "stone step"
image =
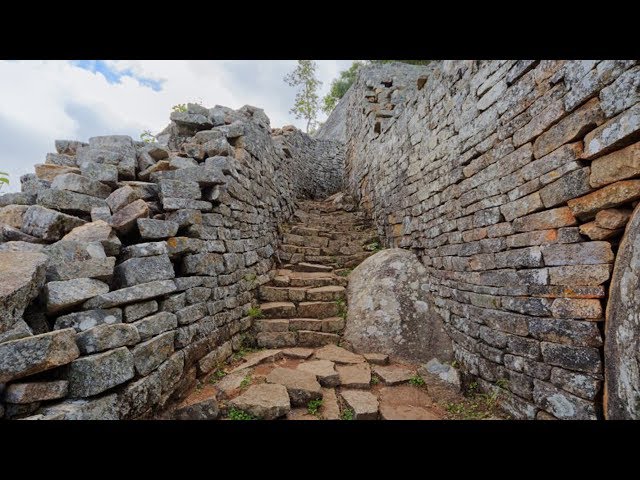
x,y
304,241
288,278
278,310
326,325
328,293
308,338
310,267
317,309
283,294
305,231
300,249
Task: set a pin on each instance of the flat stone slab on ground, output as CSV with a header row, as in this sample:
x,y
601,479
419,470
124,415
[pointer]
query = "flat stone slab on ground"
x,y
406,402
300,414
330,409
392,374
338,355
363,404
255,358
302,386
266,401
323,370
229,384
355,376
298,352
377,358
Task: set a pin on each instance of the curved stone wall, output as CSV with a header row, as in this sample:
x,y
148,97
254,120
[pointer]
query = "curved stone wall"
x,y
512,181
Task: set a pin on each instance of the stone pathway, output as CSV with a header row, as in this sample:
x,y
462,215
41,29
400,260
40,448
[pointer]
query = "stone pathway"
x,y
298,366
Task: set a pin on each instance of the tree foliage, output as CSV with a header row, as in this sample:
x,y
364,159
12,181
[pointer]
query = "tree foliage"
x,y
340,85
307,101
4,179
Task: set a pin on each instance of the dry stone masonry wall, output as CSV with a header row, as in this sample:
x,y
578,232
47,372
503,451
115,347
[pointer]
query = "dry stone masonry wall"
x,y
513,182
128,269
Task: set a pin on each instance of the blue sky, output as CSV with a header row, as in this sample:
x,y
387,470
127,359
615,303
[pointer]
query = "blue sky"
x,y
41,101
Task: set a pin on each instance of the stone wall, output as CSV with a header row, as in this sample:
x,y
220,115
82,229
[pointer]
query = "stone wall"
x,y
128,269
512,182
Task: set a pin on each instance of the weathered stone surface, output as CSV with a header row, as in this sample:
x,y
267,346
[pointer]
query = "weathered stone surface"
x,y
35,391
298,352
124,220
579,274
96,231
622,331
388,311
613,218
133,294
610,196
330,410
139,310
582,359
618,165
70,202
94,374
363,404
612,134
48,224
79,184
82,321
202,410
337,354
100,408
587,253
156,324
106,337
377,358
558,217
561,404
121,197
151,229
100,172
324,371
444,372
570,128
66,294
569,186
406,402
265,401
594,232
20,246
143,270
96,268
148,249
13,215
68,147
393,374
26,356
257,358
20,329
150,354
354,376
23,274
301,385
50,172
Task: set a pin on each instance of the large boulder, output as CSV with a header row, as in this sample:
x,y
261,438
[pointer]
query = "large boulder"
x,y
622,327
390,313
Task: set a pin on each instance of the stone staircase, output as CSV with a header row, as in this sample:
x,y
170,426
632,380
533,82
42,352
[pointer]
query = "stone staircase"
x,y
305,305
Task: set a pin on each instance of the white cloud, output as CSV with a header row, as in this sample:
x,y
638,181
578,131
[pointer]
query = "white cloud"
x,y
41,101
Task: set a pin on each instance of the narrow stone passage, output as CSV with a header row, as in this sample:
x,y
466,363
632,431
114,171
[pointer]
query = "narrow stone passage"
x,y
295,364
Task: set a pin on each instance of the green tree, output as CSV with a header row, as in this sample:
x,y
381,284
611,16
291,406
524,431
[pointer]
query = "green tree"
x,y
307,101
339,87
4,179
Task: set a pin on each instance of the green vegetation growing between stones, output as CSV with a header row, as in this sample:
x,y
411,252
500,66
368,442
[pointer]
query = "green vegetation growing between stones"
x,y
4,179
374,380
217,374
313,407
478,406
235,414
345,272
255,313
307,102
147,137
342,308
246,381
417,381
347,414
373,246
181,107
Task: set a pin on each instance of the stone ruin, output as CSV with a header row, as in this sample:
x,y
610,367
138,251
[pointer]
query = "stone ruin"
x,y
129,269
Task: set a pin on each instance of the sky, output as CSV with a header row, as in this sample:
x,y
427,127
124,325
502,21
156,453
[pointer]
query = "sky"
x,y
41,101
